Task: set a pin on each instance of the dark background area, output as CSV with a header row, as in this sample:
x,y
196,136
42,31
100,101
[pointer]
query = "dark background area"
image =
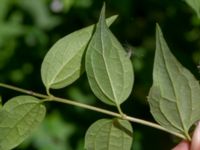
x,y
29,28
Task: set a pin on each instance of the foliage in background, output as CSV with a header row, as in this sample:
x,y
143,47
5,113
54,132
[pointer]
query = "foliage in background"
x,y
26,35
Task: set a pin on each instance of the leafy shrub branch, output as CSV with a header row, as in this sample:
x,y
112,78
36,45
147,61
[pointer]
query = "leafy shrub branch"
x,y
173,97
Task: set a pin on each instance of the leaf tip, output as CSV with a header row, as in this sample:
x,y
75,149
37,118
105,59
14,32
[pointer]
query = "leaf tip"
x,y
157,25
159,34
158,29
102,14
103,7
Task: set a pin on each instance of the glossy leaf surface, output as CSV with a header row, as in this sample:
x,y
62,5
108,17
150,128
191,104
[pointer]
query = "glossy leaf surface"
x,y
63,64
107,134
108,67
19,117
175,95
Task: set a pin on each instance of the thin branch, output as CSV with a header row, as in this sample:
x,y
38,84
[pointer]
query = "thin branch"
x,y
89,107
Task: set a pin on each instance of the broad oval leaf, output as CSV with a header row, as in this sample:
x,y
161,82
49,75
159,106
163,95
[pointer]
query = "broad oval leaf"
x,y
109,134
108,67
19,117
194,4
62,64
174,97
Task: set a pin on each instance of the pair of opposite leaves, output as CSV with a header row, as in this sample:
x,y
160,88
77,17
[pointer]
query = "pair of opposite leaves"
x,y
173,97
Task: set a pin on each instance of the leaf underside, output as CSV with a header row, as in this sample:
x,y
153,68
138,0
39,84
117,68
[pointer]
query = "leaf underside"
x,y
63,64
109,134
175,93
109,69
19,117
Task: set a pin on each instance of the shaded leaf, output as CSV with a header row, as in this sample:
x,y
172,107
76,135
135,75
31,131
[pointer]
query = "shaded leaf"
x,y
107,134
10,30
4,7
195,4
175,94
62,64
7,51
19,117
109,70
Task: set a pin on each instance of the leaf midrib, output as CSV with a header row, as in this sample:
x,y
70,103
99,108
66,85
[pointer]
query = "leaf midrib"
x,y
102,30
61,68
19,121
173,87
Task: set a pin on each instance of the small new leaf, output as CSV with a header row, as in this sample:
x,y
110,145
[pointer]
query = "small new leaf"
x,y
19,117
109,134
195,5
175,93
63,64
109,70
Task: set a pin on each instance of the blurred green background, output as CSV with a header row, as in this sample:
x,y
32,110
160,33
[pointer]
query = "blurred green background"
x,y
28,28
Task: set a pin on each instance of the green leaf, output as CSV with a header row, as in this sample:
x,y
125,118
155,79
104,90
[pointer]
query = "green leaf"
x,y
54,133
41,14
174,95
108,67
19,117
195,4
62,64
107,134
